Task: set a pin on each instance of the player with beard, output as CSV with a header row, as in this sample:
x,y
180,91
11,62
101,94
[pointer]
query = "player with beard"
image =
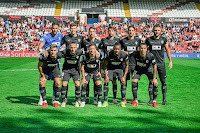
x,y
130,44
86,43
157,44
145,63
73,37
106,46
71,69
55,37
90,69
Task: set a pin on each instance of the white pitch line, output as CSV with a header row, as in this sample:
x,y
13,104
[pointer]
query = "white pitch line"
x,y
20,70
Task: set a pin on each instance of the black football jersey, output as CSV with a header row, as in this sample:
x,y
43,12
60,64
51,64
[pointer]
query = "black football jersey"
x,y
116,61
142,63
68,39
130,45
49,62
91,64
156,47
71,61
107,45
87,42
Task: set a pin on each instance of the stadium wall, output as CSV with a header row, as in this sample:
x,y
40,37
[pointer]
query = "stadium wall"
x,y
117,19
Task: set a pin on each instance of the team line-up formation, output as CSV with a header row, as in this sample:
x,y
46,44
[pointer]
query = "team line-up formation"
x,y
110,58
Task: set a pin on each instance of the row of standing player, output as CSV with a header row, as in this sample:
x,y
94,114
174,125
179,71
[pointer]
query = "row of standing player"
x,y
156,45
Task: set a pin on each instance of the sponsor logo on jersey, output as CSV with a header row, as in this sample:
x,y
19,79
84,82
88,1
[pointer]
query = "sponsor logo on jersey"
x,y
51,65
156,47
109,48
141,64
71,61
91,65
115,63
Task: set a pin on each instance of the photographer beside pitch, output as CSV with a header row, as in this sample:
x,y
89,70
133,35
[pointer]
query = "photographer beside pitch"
x,y
46,66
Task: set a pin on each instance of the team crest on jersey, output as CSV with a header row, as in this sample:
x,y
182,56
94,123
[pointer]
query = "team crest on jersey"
x,y
97,60
121,59
136,43
77,57
79,40
147,61
162,41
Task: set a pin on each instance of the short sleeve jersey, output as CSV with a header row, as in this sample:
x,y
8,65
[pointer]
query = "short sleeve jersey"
x,y
130,45
87,42
48,39
107,44
71,61
116,61
68,39
142,63
156,47
50,63
91,64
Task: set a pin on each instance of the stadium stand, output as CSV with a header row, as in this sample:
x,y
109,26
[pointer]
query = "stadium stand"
x,y
26,9
163,9
24,35
114,8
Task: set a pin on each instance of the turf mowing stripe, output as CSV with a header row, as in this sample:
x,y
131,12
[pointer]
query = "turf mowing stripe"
x,y
20,70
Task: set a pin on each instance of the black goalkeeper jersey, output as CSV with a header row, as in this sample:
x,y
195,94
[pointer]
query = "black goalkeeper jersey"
x,y
156,47
142,63
71,61
68,39
116,61
130,45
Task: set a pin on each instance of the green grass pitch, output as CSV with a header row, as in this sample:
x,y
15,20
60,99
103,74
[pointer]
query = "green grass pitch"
x,y
19,95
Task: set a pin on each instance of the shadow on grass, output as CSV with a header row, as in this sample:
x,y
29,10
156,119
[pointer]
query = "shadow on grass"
x,y
33,100
88,124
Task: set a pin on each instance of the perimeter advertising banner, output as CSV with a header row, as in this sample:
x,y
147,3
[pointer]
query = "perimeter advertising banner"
x,y
19,54
36,54
185,55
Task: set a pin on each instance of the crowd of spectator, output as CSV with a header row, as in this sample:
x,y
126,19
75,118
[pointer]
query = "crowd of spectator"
x,y
25,35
